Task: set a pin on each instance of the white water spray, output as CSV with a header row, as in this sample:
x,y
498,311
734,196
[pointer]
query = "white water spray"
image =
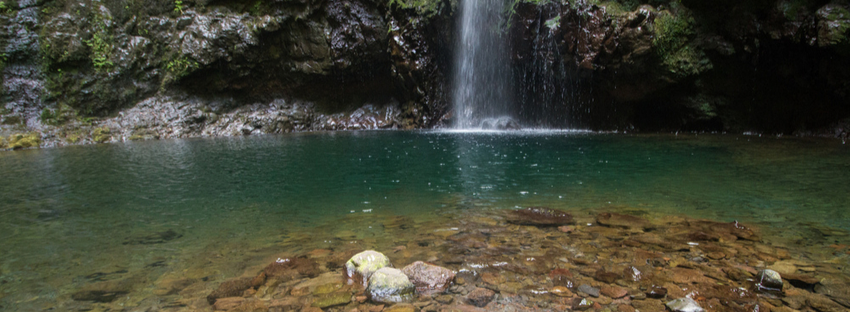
x,y
483,94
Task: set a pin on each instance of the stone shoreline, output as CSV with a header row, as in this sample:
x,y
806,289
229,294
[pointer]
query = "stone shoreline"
x,y
522,261
182,117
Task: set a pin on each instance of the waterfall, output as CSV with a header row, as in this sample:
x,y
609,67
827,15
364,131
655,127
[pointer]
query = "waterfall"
x,y
483,93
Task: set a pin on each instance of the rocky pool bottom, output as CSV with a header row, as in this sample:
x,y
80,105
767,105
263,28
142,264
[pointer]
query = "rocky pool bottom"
x,y
530,259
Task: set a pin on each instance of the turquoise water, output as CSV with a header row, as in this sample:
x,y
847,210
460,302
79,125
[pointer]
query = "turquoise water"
x,y
69,214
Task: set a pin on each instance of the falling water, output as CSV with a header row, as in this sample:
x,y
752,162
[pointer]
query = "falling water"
x,y
483,94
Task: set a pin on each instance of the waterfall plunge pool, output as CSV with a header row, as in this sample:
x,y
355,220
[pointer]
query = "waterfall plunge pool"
x,y
148,215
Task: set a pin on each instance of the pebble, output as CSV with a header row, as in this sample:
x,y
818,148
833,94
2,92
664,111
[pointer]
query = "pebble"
x,y
590,290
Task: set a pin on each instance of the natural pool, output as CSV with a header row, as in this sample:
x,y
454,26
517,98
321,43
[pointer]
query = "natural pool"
x,y
206,210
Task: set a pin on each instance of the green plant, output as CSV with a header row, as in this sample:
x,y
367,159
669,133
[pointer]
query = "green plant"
x,y
4,8
181,66
178,6
100,44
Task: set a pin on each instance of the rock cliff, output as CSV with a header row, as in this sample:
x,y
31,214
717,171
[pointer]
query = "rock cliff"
x,y
140,69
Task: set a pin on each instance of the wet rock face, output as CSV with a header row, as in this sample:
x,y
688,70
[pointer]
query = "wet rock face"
x,y
662,66
106,59
540,216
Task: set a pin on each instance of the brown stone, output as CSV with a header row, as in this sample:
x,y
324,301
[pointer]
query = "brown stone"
x,y
656,292
567,228
492,278
228,303
403,307
230,288
625,308
823,304
606,277
561,291
292,267
251,305
686,276
614,291
562,277
649,305
429,278
284,304
480,297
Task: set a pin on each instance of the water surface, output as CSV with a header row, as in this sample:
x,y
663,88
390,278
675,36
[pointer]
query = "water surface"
x,y
69,216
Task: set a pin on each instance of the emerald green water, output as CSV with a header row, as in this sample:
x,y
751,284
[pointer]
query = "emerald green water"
x,y
68,214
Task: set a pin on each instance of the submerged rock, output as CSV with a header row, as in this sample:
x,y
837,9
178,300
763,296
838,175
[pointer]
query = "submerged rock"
x,y
285,269
362,265
389,285
656,292
589,290
480,297
429,278
231,288
769,280
155,238
540,216
106,291
331,299
684,305
622,221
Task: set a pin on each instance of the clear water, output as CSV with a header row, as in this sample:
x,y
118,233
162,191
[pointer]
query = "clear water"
x,y
70,213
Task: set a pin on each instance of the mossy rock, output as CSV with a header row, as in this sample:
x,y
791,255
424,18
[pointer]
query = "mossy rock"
x,y
332,299
21,141
101,134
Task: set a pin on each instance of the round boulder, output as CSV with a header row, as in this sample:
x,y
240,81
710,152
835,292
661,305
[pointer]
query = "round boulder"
x,y
361,266
389,285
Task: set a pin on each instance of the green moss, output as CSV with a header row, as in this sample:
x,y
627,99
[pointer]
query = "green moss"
x,y
20,141
101,135
792,9
427,8
687,61
101,42
672,44
73,138
672,32
57,116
